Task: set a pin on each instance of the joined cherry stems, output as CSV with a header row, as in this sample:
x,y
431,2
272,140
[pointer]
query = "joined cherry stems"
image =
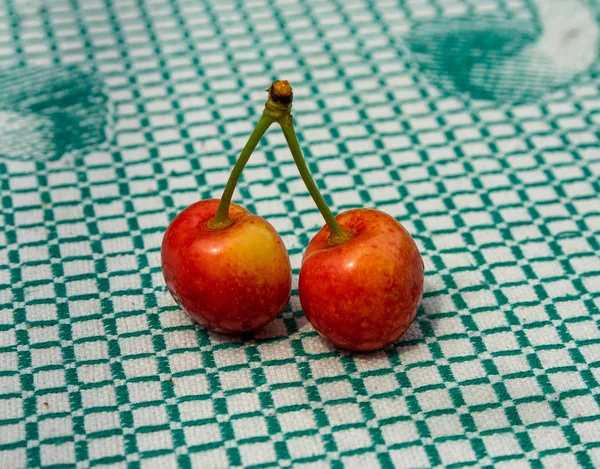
x,y
277,109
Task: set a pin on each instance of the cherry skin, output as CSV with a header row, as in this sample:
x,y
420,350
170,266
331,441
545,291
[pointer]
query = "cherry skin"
x,y
230,280
362,294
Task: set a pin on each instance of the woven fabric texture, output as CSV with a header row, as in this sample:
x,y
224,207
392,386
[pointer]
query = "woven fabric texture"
x,y
476,123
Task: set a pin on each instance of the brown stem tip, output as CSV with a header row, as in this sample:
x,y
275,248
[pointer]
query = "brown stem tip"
x,y
281,92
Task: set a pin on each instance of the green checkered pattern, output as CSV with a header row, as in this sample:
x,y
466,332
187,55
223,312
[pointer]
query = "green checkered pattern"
x,y
117,114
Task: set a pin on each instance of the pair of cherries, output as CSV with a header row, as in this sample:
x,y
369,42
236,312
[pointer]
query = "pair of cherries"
x,y
361,279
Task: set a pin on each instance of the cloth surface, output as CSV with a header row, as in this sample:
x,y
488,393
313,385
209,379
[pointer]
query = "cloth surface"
x,y
475,123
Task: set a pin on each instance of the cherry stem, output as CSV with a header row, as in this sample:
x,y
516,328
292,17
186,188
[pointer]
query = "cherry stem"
x,y
221,219
277,109
338,235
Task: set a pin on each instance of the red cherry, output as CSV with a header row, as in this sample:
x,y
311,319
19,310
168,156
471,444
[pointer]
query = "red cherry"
x,y
362,294
232,280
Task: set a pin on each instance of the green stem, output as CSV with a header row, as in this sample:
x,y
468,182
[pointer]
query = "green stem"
x,y
277,109
338,235
221,219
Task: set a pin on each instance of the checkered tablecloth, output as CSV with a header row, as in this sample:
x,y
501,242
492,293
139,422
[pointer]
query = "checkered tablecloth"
x,y
476,123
